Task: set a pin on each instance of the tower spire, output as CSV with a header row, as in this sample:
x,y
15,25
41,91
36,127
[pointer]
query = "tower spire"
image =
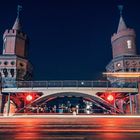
x,y
122,26
120,7
17,25
19,8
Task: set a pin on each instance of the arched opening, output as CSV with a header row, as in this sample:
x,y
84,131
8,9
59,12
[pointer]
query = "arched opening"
x,y
68,102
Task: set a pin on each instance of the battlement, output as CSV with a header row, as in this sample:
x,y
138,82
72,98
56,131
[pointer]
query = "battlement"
x,y
12,32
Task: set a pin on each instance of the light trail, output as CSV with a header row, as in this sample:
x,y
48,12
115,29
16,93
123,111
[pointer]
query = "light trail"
x,y
71,116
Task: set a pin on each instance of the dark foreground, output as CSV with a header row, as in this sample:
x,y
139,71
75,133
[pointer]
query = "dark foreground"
x,y
69,128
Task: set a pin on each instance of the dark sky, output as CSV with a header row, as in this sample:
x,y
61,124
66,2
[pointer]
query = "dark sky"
x,y
69,39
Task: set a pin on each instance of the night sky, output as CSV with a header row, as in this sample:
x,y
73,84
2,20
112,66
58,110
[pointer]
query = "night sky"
x,y
69,39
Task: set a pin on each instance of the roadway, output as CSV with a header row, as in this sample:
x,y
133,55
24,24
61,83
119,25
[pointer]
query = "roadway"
x,y
70,127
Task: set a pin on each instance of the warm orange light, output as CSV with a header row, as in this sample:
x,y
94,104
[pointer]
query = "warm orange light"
x,y
29,97
123,74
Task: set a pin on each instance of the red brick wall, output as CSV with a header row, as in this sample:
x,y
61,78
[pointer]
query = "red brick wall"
x,y
119,43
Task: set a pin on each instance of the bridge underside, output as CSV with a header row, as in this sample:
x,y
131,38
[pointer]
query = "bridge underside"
x,y
93,95
96,100
123,103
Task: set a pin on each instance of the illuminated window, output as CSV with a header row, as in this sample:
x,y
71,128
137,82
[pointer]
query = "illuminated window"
x,y
129,44
118,64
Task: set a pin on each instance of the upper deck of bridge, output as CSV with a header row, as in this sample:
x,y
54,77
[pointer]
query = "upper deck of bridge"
x,y
39,86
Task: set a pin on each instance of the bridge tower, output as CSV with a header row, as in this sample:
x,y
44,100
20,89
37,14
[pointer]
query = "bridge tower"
x,y
125,58
14,65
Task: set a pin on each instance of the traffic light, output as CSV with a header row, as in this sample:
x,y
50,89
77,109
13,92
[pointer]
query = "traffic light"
x,y
29,97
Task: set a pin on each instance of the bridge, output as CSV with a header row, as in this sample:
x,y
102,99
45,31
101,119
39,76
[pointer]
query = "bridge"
x,y
85,89
52,87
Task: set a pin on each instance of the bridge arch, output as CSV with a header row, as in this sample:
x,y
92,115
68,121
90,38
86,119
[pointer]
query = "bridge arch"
x,y
76,94
94,98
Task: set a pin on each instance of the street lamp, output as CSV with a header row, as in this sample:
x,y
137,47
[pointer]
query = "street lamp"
x,y
110,98
29,97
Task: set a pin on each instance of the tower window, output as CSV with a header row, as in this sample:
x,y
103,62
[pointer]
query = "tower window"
x,y
127,62
118,64
12,72
134,63
21,64
5,72
133,69
5,63
4,44
13,63
18,32
129,44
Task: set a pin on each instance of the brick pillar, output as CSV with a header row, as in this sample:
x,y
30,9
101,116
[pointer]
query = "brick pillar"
x,y
0,103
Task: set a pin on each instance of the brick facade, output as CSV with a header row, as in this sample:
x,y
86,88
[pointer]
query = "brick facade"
x,y
125,58
13,62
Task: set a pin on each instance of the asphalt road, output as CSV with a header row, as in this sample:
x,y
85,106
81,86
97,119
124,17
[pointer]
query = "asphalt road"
x,y
69,128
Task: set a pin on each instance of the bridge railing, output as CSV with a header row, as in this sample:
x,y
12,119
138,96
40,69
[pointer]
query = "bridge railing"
x,y
66,83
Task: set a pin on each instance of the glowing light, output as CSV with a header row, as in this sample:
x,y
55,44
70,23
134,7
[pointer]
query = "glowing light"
x,y
123,74
129,44
110,98
29,97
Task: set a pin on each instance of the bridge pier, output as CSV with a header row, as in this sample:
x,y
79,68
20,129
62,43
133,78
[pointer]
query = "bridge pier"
x,y
130,103
138,103
8,105
131,106
138,100
0,103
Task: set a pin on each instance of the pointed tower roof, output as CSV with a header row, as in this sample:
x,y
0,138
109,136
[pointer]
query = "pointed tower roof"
x,y
122,26
17,25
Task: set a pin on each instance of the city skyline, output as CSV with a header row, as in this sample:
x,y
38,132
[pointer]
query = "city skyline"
x,y
69,40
